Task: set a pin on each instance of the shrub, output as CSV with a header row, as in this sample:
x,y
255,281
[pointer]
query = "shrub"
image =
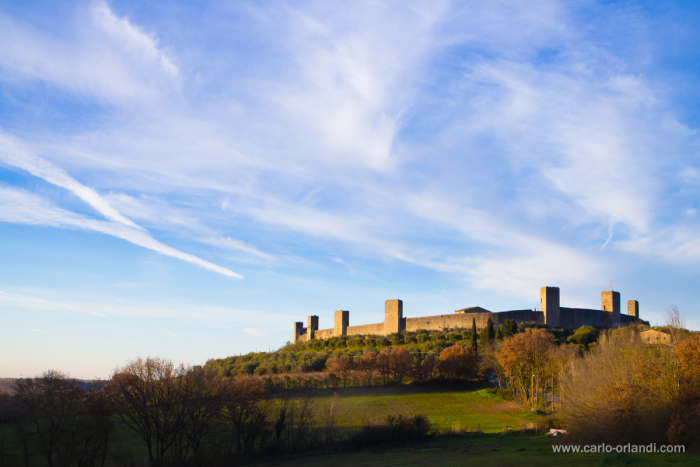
x,y
395,430
622,391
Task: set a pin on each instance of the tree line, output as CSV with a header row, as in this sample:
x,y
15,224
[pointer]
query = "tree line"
x,y
311,356
605,385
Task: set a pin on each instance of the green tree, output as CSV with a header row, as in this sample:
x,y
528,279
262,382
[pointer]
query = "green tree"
x,y
584,336
510,328
472,338
488,333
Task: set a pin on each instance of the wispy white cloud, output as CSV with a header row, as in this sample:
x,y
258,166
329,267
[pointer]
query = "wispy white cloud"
x,y
255,332
382,129
156,212
38,302
105,56
21,207
236,245
14,153
131,38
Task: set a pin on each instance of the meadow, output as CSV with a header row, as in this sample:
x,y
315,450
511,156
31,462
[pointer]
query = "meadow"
x,y
482,449
507,433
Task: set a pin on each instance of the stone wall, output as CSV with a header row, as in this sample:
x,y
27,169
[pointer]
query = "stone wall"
x,y
552,314
437,323
366,329
519,316
324,333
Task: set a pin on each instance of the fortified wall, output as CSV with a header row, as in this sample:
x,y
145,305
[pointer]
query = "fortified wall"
x,y
551,313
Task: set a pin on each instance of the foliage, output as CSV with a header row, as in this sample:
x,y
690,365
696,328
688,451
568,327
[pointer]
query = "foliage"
x,y
510,328
395,430
584,336
525,359
487,334
685,421
622,391
458,362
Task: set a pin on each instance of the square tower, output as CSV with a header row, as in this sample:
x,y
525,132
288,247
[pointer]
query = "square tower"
x,y
393,316
610,302
633,308
341,323
313,326
549,304
298,330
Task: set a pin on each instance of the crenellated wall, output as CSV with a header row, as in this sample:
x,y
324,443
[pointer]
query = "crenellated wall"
x,y
437,323
519,316
365,329
552,314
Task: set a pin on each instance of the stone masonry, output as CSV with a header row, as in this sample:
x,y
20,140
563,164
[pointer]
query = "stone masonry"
x,y
551,313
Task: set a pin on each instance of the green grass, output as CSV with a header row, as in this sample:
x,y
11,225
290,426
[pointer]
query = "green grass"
x,y
473,409
484,450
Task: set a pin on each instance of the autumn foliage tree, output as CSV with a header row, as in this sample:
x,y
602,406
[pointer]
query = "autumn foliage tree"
x,y
341,367
621,392
401,363
458,362
367,367
525,360
685,422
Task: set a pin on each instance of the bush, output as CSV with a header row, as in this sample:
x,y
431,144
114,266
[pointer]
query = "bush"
x,y
396,430
621,392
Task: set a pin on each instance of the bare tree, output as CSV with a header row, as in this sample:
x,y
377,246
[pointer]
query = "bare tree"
x,y
329,414
49,406
245,408
147,396
202,394
675,322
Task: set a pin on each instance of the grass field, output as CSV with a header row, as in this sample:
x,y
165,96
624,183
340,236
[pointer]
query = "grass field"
x,y
472,409
483,450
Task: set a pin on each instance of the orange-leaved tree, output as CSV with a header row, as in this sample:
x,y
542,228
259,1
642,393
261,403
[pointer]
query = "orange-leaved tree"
x,y
685,421
525,359
367,366
458,361
341,367
401,363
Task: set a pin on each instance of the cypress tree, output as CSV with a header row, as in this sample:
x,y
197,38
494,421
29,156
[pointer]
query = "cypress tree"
x,y
488,333
489,326
472,340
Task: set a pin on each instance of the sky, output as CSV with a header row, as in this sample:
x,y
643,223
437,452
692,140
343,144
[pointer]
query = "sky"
x,y
187,179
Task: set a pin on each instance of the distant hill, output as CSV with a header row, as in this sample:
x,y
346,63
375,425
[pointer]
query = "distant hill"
x,y
6,385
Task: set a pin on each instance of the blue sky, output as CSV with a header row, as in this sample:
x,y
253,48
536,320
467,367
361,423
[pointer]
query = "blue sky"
x,y
187,179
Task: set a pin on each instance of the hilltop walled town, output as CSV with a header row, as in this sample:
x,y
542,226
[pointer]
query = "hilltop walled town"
x,y
551,313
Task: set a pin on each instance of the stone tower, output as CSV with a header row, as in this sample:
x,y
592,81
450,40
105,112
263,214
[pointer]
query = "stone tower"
x,y
549,304
341,323
393,316
610,302
633,308
298,330
313,326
